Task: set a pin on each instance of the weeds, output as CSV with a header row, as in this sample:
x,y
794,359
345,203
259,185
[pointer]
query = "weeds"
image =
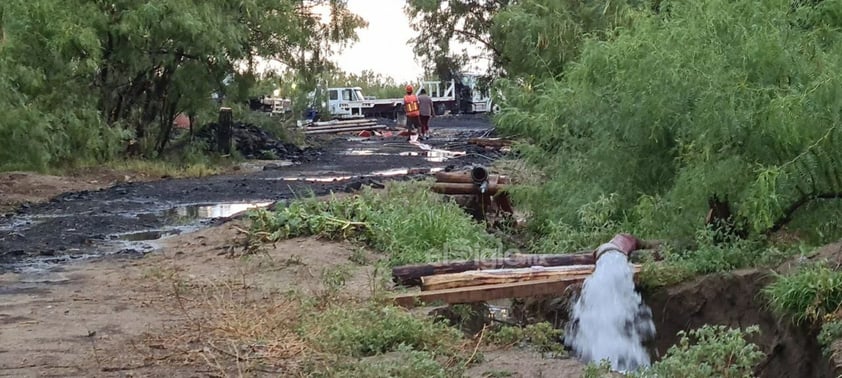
x,y
713,253
831,331
540,336
709,351
235,329
812,294
408,221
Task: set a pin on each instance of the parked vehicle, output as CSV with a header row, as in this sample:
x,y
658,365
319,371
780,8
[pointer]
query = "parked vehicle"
x,y
457,96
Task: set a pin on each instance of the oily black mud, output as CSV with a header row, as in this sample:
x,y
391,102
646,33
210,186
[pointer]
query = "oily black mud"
x,y
91,223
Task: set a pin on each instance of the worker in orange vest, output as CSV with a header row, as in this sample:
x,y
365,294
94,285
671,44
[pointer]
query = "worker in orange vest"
x,y
413,113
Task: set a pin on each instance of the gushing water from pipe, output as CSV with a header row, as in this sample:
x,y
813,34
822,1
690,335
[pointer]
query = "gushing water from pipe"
x,y
609,319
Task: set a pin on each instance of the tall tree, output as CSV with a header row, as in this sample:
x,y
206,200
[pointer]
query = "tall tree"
x,y
145,61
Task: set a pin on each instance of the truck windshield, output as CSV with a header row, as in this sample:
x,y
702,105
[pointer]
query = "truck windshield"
x,y
359,95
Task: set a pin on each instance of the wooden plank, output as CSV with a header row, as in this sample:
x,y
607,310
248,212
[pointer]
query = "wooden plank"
x,y
410,275
472,294
482,277
499,276
529,289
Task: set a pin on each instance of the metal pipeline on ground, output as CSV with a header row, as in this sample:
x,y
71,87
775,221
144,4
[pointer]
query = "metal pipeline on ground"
x,y
623,243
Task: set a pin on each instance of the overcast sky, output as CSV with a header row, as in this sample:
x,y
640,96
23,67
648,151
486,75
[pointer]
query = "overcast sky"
x,y
383,46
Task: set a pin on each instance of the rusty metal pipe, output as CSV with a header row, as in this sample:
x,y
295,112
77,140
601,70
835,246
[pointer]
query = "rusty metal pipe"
x,y
464,177
479,175
465,188
623,243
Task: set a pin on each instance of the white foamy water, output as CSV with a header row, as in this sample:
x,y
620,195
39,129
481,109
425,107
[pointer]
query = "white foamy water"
x,y
609,319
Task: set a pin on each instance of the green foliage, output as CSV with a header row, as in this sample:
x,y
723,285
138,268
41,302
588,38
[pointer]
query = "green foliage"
x,y
412,364
600,370
710,256
709,351
79,78
596,224
658,114
807,295
371,83
371,330
540,336
406,220
831,331
540,37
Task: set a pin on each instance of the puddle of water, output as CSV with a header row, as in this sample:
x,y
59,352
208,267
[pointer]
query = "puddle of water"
x,y
406,171
146,235
313,179
210,211
363,152
435,155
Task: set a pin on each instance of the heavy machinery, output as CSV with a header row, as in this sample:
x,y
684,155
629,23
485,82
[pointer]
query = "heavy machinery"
x,y
461,95
454,96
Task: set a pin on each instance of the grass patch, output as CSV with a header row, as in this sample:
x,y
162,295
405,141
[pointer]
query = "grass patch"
x,y
709,351
405,220
159,168
711,255
812,294
831,331
237,329
540,336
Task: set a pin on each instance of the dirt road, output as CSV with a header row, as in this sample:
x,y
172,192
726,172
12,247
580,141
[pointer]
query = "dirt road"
x,y
130,218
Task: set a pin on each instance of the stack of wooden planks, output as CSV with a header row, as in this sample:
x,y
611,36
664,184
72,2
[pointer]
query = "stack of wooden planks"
x,y
343,126
490,284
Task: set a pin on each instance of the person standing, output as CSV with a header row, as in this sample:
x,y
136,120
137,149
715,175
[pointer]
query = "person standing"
x,y
410,106
426,112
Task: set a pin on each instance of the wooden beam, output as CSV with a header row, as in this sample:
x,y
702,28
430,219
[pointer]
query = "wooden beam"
x,y
410,275
529,289
499,276
537,288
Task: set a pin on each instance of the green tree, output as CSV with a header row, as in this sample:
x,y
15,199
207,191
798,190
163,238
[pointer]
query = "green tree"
x,y
733,99
80,71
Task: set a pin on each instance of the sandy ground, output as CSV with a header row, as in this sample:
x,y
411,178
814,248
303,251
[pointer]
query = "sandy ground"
x,y
99,318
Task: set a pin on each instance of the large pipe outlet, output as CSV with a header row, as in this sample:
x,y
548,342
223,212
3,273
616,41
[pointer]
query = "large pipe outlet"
x,y
479,175
623,243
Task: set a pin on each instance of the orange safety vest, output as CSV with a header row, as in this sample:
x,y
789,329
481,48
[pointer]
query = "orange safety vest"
x,y
411,106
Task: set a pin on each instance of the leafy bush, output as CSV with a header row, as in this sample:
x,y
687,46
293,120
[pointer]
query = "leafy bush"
x,y
831,331
540,336
710,256
808,295
709,351
660,115
408,221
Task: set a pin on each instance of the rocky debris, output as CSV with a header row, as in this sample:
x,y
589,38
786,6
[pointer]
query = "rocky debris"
x,y
255,143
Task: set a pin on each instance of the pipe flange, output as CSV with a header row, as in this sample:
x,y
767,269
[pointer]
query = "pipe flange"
x,y
607,247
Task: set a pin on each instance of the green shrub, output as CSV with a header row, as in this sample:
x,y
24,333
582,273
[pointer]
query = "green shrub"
x,y
659,114
831,331
807,295
709,351
372,330
406,220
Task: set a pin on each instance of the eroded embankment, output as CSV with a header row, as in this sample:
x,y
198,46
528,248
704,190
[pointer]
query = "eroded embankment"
x,y
735,299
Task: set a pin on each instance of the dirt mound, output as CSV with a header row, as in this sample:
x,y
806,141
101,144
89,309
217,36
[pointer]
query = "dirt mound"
x,y
255,143
733,299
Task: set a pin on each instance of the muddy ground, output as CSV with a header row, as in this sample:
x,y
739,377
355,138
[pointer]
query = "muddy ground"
x,y
77,299
129,217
